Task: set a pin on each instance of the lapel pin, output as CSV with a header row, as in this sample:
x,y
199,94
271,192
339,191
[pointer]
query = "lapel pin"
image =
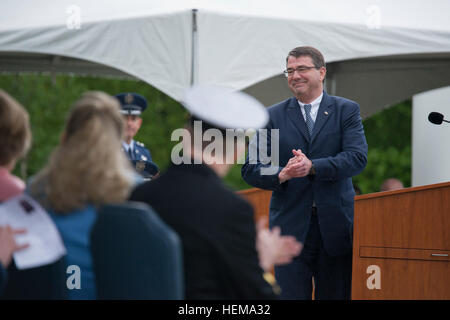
x,y
326,112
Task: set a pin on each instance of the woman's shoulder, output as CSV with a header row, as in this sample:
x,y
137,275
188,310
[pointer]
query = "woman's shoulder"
x,y
10,185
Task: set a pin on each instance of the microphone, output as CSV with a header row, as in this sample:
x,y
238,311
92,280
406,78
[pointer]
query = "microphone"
x,y
436,118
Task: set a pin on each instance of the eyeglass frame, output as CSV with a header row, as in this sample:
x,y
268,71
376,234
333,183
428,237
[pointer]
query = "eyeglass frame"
x,y
300,69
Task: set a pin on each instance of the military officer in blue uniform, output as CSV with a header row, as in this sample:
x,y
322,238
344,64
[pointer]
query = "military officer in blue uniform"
x,y
133,105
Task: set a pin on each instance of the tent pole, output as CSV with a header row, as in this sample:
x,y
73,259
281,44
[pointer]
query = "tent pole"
x,y
194,66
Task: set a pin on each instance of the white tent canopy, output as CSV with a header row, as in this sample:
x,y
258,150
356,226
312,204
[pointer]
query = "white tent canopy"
x,y
378,52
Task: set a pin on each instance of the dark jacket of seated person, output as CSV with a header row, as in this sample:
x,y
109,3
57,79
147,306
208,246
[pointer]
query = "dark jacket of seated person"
x,y
217,231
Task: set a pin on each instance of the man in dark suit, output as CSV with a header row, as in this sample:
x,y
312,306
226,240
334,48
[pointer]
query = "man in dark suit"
x,y
215,225
321,146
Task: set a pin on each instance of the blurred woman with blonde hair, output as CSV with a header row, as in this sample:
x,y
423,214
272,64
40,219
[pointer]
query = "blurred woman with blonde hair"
x,y
86,170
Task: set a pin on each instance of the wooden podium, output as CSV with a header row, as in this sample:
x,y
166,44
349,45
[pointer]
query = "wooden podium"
x,y
260,200
401,244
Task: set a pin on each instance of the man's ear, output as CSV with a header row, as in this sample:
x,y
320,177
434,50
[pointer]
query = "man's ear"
x,y
139,122
323,73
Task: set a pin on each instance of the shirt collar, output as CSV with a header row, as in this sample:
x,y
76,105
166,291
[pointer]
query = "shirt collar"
x,y
313,104
128,146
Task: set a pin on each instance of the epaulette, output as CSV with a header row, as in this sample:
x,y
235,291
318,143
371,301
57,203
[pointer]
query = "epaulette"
x,y
140,144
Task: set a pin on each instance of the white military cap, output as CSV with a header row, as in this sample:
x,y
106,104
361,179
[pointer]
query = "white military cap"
x,y
225,108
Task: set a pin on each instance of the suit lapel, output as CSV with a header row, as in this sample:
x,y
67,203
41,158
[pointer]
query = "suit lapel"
x,y
324,113
296,116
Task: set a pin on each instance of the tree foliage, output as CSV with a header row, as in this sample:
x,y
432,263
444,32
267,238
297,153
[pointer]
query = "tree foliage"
x,y
388,135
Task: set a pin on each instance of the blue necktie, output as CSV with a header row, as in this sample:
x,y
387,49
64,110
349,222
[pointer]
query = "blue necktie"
x,y
309,120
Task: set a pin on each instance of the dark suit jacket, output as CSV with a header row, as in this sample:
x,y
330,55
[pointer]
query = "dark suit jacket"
x,y
40,283
338,149
217,231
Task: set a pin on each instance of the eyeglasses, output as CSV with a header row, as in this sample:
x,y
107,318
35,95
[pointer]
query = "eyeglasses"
x,y
290,72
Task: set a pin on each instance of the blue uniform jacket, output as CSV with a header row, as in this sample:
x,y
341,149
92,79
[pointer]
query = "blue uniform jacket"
x,y
140,153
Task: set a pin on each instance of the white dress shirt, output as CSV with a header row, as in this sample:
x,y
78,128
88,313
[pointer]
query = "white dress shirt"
x,y
127,146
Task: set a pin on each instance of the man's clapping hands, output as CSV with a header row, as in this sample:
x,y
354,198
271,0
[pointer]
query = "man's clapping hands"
x,y
297,167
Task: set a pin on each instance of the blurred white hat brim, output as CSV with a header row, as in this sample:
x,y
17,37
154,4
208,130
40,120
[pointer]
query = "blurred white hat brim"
x,y
225,108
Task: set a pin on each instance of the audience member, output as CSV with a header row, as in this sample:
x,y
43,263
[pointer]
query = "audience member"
x,y
215,225
15,140
86,170
391,184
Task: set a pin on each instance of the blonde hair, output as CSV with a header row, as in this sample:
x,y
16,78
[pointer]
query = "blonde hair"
x,y
15,133
88,167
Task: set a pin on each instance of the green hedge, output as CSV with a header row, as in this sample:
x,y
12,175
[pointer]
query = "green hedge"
x,y
388,135
48,98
